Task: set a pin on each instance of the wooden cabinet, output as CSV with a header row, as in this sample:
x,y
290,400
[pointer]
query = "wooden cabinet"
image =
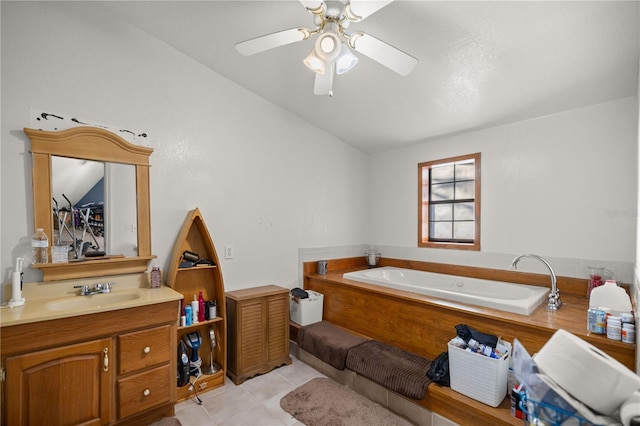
x,y
190,279
144,369
114,367
66,385
258,331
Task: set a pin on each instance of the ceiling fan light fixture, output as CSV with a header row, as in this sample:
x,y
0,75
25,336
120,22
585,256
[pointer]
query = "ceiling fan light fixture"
x,y
346,60
314,62
327,46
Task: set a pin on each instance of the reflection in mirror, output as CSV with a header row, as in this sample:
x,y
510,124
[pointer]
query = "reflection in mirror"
x,y
78,205
94,204
120,221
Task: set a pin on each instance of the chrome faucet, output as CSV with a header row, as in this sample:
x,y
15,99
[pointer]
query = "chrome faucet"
x,y
554,296
96,289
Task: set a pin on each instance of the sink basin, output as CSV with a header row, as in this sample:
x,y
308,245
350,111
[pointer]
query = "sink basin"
x,y
93,301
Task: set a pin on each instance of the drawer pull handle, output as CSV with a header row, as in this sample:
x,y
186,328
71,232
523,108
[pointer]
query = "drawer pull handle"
x,y
147,349
146,392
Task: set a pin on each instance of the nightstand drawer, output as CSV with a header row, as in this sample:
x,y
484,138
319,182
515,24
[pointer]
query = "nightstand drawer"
x,y
143,349
143,391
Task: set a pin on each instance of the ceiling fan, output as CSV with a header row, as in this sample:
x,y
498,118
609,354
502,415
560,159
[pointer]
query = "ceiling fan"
x,y
332,52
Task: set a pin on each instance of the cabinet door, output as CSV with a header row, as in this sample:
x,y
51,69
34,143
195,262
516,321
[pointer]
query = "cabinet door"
x,y
278,328
63,386
252,335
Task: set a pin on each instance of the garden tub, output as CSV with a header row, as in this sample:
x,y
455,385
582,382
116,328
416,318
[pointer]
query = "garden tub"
x,y
517,298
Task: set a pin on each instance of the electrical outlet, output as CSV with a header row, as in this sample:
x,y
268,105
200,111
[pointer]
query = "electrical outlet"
x,y
228,251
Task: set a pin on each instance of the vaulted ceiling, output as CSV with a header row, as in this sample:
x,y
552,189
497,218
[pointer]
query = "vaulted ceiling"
x,y
481,63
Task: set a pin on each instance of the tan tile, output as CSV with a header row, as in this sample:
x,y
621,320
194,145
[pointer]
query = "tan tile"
x,y
415,413
344,377
371,390
267,385
438,420
257,415
230,403
193,414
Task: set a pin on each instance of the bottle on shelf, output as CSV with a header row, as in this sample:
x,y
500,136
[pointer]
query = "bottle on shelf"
x,y
195,305
201,309
39,247
188,314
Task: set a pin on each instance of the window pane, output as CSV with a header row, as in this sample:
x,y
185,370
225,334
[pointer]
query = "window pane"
x,y
441,212
466,171
463,230
441,230
463,211
465,190
448,199
442,192
442,174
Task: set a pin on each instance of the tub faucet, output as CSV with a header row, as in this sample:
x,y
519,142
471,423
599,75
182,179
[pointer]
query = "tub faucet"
x,y
554,296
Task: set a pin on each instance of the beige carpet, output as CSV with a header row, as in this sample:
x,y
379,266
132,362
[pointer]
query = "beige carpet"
x,y
324,402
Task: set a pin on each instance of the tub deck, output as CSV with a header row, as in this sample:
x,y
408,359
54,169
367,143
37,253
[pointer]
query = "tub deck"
x,y
424,324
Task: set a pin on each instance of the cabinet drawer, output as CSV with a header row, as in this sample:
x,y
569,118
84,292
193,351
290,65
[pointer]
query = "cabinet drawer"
x,y
143,391
144,348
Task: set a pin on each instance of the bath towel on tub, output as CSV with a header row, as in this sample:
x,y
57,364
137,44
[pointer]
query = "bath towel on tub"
x,y
328,342
391,367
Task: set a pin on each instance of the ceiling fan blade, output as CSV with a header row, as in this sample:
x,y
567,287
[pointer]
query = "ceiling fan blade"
x,y
324,82
357,10
269,41
383,53
317,7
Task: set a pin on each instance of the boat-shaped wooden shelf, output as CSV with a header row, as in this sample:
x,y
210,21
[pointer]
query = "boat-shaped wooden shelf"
x,y
190,278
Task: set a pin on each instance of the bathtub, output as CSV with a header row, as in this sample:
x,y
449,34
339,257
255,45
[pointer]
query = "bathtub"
x,y
516,298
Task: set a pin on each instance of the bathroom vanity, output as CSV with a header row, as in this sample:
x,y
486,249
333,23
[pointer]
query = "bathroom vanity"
x,y
108,357
70,359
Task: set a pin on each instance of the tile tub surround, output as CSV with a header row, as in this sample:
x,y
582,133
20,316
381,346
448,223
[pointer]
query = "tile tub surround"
x,y
424,325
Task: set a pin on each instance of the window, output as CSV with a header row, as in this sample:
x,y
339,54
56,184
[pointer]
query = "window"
x,y
449,203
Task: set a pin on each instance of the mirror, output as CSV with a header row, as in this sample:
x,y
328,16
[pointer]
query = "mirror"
x,y
126,197
94,207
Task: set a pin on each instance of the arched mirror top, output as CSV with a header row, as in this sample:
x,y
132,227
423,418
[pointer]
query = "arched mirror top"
x,y
95,144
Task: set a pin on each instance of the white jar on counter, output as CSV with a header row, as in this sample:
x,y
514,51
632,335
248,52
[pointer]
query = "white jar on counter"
x,y
628,333
614,328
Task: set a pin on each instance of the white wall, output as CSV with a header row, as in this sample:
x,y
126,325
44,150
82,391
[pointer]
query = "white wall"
x,y
562,186
279,189
265,180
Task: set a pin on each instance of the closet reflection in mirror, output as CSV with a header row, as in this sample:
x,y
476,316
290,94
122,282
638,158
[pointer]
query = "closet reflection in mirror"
x,y
94,207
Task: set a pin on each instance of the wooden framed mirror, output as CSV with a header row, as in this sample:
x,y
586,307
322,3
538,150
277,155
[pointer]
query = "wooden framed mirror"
x,y
91,144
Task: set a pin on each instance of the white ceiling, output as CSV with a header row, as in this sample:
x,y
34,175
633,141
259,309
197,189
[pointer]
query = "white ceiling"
x,y
481,63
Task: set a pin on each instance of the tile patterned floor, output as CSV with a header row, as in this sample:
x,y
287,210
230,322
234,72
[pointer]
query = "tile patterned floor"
x,y
254,402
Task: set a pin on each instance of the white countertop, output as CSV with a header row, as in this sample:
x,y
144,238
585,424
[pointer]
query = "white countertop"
x,y
59,299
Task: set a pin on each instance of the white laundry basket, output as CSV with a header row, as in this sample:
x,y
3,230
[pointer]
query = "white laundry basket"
x,y
477,376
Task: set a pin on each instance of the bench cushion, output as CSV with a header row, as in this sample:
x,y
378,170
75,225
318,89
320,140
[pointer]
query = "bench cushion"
x,y
328,342
398,370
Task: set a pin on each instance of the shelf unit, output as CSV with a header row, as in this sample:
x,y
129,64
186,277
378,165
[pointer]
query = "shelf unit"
x,y
190,281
